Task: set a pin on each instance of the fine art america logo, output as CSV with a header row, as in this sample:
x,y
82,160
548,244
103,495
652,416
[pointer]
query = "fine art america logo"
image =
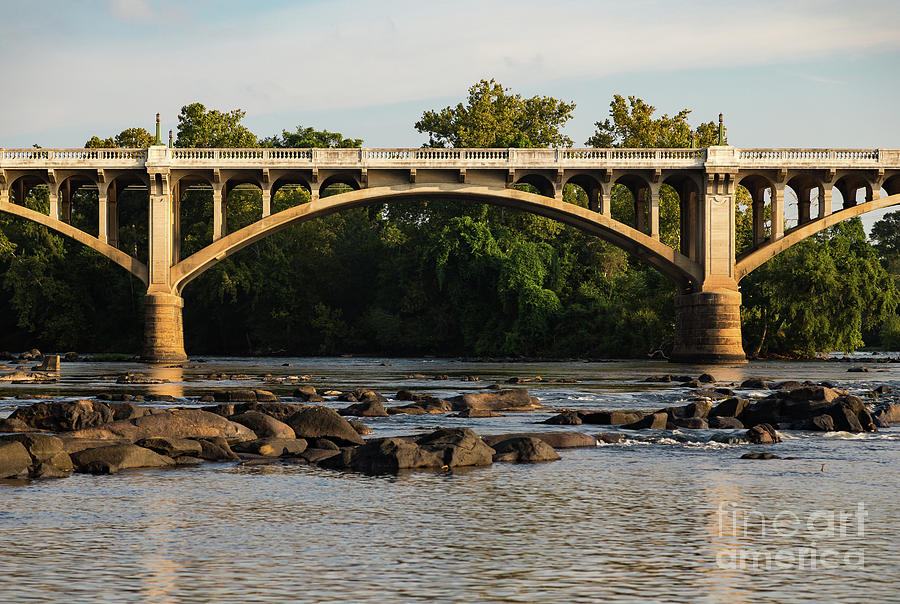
x,y
818,540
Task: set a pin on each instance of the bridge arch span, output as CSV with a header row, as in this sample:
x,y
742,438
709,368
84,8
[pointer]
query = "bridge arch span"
x,y
752,260
132,265
677,267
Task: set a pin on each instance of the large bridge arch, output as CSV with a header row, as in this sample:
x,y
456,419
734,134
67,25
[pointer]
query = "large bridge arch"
x,y
752,260
132,265
680,269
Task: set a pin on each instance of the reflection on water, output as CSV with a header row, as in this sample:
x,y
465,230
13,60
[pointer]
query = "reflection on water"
x,y
652,520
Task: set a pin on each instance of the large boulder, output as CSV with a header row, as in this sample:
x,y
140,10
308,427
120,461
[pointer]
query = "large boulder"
x,y
512,399
41,447
369,407
388,455
458,447
114,458
850,415
322,422
557,440
264,426
566,418
699,408
651,421
763,434
524,449
65,416
272,447
14,460
886,414
725,422
177,423
732,407
755,383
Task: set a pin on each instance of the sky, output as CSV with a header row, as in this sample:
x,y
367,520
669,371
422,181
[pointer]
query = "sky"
x,y
785,73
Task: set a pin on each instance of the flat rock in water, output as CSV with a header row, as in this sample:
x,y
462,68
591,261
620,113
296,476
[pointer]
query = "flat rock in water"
x,y
264,426
524,449
114,458
369,407
512,399
322,422
176,423
14,460
557,440
566,418
611,418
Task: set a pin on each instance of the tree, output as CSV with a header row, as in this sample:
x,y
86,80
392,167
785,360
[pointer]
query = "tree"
x,y
631,124
131,138
494,117
199,127
886,234
822,294
305,138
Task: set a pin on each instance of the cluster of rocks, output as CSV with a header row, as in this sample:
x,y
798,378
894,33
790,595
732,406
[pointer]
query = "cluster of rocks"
x,y
802,407
104,437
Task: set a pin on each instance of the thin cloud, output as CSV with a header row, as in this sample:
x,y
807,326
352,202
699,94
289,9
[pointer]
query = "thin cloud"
x,y
132,10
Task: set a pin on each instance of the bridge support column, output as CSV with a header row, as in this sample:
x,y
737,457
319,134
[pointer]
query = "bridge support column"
x,y
708,328
653,199
54,200
708,318
102,214
777,213
219,225
824,201
803,205
163,328
266,202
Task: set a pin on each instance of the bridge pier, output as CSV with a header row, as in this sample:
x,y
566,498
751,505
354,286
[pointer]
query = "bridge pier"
x,y
708,328
163,329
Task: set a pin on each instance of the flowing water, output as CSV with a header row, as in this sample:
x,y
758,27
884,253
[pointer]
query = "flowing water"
x,y
661,516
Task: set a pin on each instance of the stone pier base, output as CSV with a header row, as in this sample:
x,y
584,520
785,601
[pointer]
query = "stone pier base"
x,y
708,328
163,329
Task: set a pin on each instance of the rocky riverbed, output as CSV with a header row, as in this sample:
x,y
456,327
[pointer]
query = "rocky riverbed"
x,y
51,439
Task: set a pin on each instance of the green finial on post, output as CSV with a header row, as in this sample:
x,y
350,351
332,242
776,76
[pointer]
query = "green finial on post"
x,y
158,140
721,129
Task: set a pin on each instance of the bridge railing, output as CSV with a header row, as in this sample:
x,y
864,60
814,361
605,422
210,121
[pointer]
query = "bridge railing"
x,y
128,157
449,158
811,156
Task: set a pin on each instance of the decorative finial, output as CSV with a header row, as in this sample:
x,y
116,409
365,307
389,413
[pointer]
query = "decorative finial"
x,y
721,129
158,140
170,139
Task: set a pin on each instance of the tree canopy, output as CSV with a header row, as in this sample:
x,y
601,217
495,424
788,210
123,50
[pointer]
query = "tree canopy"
x,y
494,117
200,127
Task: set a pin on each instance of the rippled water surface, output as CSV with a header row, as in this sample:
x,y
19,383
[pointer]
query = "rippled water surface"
x,y
660,517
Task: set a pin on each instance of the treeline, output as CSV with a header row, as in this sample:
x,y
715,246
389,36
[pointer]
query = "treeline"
x,y
430,277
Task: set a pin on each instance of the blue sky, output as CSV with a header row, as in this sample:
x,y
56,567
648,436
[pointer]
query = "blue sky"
x,y
784,73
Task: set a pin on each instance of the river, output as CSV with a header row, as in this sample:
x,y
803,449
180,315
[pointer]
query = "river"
x,y
661,516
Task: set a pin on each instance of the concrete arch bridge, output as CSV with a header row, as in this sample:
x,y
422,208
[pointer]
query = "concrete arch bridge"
x,y
706,267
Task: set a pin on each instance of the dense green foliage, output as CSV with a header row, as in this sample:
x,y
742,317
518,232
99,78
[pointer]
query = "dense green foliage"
x,y
427,277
